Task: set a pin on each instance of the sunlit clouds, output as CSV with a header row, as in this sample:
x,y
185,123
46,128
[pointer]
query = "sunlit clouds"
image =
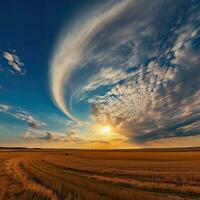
x,y
101,74
70,51
11,61
135,71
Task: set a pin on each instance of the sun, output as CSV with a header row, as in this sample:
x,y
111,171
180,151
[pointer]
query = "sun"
x,y
106,129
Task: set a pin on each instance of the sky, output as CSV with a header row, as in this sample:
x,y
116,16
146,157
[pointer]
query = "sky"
x,y
100,74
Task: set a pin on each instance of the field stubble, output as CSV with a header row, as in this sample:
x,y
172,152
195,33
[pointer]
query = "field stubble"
x,y
99,175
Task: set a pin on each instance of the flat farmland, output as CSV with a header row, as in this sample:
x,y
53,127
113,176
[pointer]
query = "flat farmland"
x,y
27,174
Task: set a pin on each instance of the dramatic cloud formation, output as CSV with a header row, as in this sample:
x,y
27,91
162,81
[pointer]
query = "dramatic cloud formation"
x,y
135,69
71,52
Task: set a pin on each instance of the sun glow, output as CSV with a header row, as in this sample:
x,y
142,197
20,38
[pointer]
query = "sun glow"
x,y
106,129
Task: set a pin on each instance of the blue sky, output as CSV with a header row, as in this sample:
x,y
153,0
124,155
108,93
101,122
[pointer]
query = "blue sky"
x,y
71,69
30,29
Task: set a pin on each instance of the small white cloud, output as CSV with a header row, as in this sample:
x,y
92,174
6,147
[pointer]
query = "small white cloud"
x,y
14,62
4,108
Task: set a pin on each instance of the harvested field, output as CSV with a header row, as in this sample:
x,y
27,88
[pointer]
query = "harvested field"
x,y
99,174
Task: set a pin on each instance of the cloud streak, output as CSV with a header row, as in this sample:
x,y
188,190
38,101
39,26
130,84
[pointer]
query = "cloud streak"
x,y
70,50
21,115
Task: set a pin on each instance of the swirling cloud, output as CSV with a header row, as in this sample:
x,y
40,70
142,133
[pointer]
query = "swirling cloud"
x,y
136,69
70,50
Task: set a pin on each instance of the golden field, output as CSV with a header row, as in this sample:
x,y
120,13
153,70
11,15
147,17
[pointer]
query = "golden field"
x,y
37,174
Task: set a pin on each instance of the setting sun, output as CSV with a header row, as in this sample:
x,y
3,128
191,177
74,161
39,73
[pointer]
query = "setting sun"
x,y
106,129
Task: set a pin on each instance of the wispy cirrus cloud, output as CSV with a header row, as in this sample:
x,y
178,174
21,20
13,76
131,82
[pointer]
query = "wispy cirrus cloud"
x,y
21,115
70,50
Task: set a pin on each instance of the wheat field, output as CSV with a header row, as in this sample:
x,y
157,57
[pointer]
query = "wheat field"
x,y
38,174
